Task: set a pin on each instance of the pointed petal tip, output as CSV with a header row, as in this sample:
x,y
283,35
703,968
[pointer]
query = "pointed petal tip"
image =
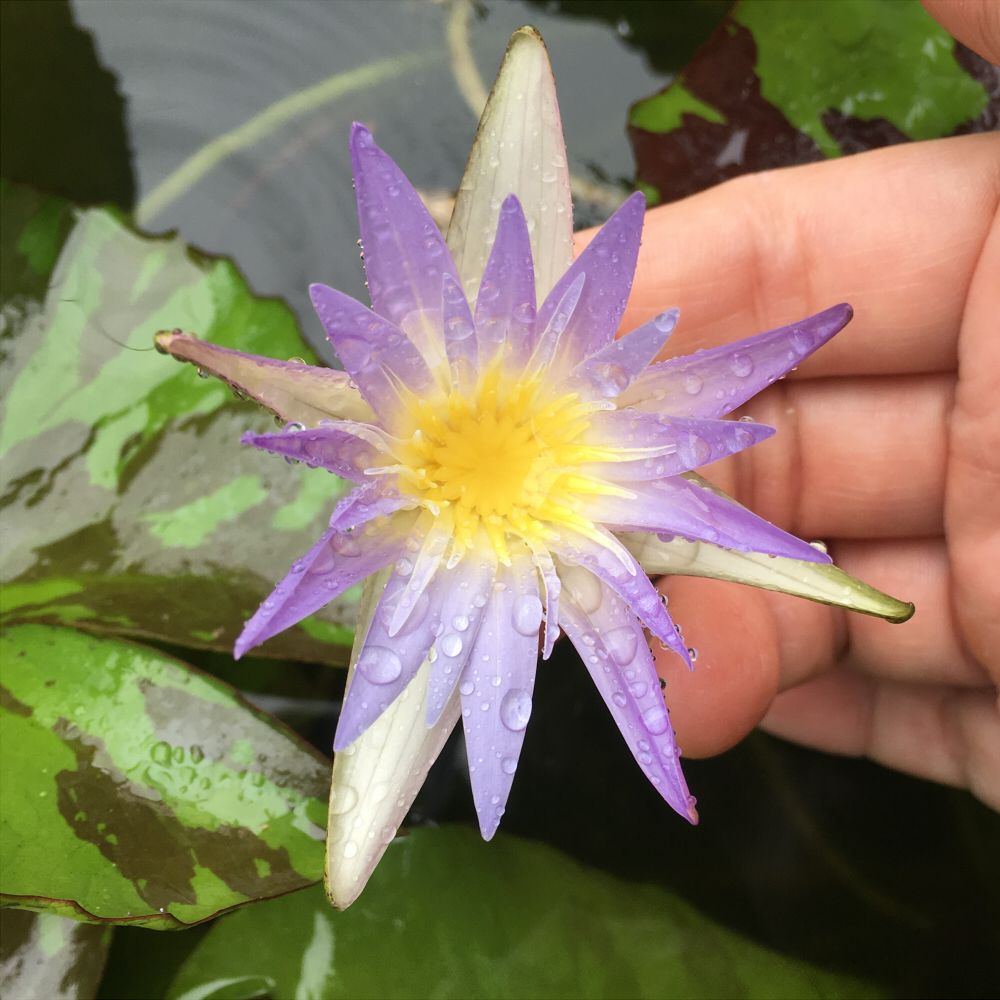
x,y
907,610
361,134
691,814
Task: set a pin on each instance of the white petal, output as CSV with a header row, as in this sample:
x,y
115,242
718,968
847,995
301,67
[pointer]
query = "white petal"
x,y
519,150
376,779
816,581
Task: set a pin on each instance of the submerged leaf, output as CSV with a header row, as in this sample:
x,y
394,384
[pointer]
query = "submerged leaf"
x,y
447,916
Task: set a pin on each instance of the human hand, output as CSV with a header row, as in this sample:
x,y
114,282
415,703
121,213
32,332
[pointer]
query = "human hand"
x,y
888,447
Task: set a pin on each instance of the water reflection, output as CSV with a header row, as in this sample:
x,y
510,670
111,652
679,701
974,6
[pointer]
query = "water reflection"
x,y
283,206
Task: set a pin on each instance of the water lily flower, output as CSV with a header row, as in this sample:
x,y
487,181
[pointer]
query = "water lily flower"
x,y
518,471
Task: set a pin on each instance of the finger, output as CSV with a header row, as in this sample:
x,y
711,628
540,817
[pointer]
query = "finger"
x,y
971,520
896,232
751,643
736,666
975,23
926,649
946,735
853,457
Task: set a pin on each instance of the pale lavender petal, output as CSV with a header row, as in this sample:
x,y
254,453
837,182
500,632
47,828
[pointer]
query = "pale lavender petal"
x,y
337,561
345,448
496,688
609,263
550,584
554,328
373,350
420,570
631,585
614,650
713,382
676,506
610,371
388,660
668,445
459,334
364,504
291,390
464,592
505,306
405,253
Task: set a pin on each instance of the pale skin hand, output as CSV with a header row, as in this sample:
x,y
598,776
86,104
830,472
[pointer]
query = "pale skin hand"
x,y
888,447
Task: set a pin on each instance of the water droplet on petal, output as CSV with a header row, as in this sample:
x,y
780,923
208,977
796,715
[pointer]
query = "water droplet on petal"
x,y
656,720
451,645
622,644
741,365
343,799
693,384
527,614
515,709
379,664
508,765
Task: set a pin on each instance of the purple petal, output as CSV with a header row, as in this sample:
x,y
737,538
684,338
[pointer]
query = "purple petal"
x,y
345,449
464,592
614,650
459,334
554,328
291,390
365,504
420,571
610,371
668,445
337,561
496,688
631,585
609,263
505,306
388,659
677,506
376,353
550,583
711,383
405,253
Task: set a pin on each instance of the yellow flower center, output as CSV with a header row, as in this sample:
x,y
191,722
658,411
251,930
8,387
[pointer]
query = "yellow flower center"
x,y
504,459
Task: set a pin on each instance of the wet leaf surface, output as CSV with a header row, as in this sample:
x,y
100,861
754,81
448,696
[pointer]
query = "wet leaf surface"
x,y
449,916
138,790
129,504
781,82
47,957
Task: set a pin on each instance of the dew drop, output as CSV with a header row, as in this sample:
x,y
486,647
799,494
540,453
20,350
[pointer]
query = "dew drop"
x,y
693,384
451,644
656,720
527,614
379,664
741,365
622,644
343,799
515,709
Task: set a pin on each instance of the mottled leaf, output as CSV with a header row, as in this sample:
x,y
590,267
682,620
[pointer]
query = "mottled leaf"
x,y
129,504
446,915
138,790
47,957
783,82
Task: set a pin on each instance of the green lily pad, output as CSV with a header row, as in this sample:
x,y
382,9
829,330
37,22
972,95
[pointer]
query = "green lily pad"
x,y
129,504
446,915
782,82
43,955
138,790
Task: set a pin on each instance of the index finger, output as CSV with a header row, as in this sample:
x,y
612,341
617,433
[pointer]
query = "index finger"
x,y
896,232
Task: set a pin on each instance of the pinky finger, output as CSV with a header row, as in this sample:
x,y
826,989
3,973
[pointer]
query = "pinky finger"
x,y
949,735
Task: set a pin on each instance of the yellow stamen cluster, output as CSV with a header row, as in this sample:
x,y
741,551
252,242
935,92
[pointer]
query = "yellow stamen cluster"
x,y
504,459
